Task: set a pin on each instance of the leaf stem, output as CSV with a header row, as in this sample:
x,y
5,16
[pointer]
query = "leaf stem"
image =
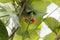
x,y
23,8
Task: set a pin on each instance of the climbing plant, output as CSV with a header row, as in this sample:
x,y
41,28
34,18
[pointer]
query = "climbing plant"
x,y
27,16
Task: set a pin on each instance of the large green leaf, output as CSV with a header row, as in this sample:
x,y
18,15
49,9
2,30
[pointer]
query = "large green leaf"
x,y
52,23
9,13
50,36
4,1
3,32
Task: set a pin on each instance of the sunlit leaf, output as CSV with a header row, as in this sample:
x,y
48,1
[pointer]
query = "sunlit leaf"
x,y
36,24
52,23
50,36
17,37
39,27
24,36
35,37
23,25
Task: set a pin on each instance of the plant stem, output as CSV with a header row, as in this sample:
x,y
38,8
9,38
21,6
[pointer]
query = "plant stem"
x,y
28,26
12,37
25,32
14,32
20,14
22,9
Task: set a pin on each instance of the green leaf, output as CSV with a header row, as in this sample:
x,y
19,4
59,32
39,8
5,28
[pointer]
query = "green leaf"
x,y
11,13
24,36
15,19
32,26
36,24
39,5
17,37
28,35
58,29
4,1
23,25
3,32
36,35
5,19
50,36
56,2
52,23
39,27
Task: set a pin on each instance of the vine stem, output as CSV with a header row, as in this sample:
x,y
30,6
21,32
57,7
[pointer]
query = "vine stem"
x,y
23,8
12,37
14,32
20,14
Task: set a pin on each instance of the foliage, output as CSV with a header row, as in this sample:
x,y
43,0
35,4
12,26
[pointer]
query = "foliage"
x,y
49,21
20,9
50,36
